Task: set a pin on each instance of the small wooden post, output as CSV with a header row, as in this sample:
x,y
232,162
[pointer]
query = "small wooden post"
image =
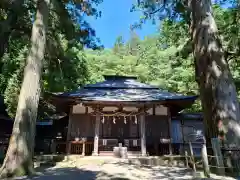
x,y
53,146
143,133
218,154
68,144
156,147
186,158
96,137
192,156
83,148
169,130
205,159
183,139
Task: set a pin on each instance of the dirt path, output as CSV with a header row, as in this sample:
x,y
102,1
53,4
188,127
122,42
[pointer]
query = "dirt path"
x,y
114,169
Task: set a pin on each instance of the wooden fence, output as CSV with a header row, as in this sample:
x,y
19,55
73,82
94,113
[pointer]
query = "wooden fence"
x,y
223,161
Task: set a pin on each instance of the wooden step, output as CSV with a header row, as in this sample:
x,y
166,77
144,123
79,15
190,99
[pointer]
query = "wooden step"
x,y
110,153
105,153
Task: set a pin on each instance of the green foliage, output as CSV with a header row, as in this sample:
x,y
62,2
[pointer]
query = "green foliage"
x,y
166,59
64,64
12,73
150,63
163,59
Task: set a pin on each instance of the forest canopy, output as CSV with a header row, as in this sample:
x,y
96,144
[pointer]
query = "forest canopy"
x,y
160,59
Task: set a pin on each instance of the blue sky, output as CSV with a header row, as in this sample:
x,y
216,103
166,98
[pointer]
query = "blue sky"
x,y
116,20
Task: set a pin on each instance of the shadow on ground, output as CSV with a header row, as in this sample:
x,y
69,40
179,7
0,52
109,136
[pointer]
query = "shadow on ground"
x,y
158,172
113,171
72,174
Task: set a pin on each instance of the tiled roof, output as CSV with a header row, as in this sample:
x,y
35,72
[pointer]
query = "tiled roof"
x,y
125,95
120,82
120,88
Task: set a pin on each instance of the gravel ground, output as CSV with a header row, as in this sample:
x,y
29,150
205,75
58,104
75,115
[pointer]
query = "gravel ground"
x,y
95,168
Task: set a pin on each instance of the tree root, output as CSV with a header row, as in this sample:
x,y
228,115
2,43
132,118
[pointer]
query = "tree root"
x,y
23,169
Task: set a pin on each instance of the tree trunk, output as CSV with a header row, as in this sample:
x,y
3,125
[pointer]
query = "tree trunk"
x,y
7,25
217,89
18,160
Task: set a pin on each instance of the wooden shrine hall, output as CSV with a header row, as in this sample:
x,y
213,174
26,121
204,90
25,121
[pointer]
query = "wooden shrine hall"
x,y
120,111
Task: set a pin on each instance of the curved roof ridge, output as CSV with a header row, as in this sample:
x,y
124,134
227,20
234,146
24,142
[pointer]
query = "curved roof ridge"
x,y
124,89
120,83
117,77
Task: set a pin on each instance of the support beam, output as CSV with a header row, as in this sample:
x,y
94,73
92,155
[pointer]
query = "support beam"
x,y
83,148
68,144
169,130
143,133
183,138
96,136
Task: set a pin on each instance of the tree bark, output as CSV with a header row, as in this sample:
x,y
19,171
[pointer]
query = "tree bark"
x,y
18,160
7,25
217,89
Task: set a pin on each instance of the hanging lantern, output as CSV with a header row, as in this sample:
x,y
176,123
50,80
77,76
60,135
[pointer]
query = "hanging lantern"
x,y
136,119
103,119
125,120
114,120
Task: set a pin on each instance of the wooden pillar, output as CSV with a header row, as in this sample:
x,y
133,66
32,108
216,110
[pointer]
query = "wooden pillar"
x,y
169,130
143,133
83,148
68,144
96,136
183,138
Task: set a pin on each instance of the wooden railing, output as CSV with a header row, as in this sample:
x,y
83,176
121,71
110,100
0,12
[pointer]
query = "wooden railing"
x,y
80,147
72,147
107,144
133,144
